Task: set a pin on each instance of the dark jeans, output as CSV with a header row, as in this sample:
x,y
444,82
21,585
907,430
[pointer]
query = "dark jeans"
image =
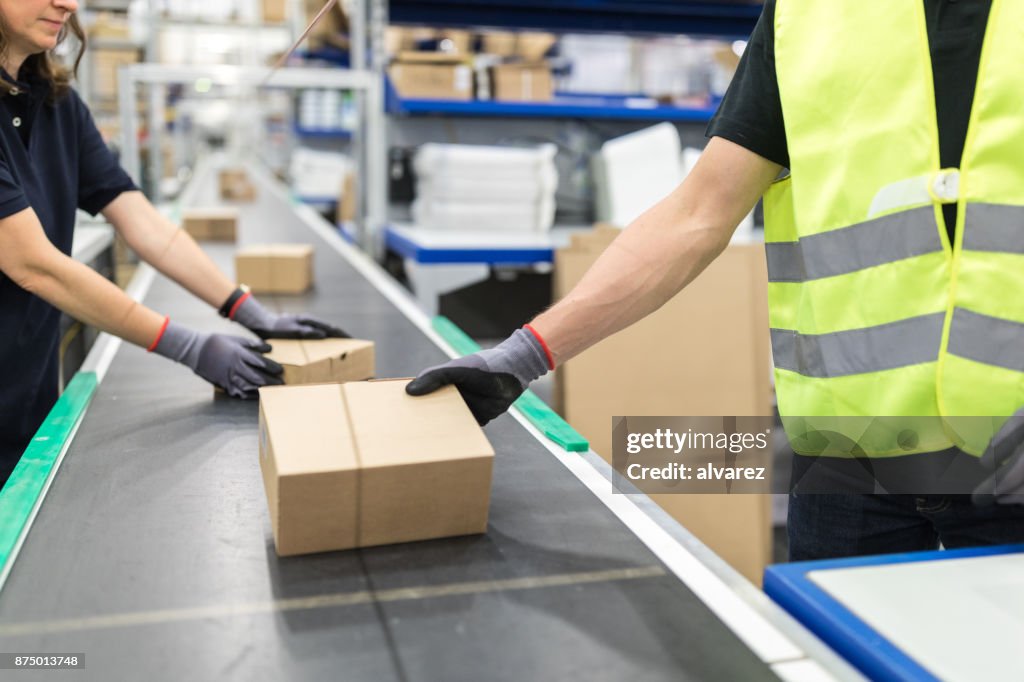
x,y
829,526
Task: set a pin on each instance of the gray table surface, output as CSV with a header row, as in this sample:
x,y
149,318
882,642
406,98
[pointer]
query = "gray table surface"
x,y
152,552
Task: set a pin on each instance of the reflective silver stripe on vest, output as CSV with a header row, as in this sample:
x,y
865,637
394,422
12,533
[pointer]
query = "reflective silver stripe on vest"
x,y
882,240
986,339
857,351
994,227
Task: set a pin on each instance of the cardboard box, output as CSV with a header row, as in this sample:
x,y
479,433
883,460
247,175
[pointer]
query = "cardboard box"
x,y
432,75
533,47
234,185
363,464
210,224
321,361
106,63
500,43
521,82
705,352
347,199
275,11
275,268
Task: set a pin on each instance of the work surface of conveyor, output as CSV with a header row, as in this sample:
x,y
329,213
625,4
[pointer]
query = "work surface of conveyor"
x,y
152,552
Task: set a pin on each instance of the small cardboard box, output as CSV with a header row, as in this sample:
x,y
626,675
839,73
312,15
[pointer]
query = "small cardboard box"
x,y
317,361
363,464
275,268
210,224
522,82
275,11
432,75
234,185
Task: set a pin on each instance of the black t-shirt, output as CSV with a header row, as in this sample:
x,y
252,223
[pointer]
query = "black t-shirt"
x,y
53,160
751,112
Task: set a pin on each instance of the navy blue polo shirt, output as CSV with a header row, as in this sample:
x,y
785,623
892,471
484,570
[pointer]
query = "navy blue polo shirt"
x,y
53,160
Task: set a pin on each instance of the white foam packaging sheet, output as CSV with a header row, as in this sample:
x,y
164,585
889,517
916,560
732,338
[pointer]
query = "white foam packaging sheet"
x,y
482,187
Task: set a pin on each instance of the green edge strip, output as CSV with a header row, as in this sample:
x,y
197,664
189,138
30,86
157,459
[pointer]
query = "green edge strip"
x,y
533,408
18,497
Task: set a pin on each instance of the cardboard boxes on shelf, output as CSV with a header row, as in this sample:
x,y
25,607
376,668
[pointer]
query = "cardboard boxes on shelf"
x,y
317,361
210,224
522,82
705,352
106,63
363,464
275,268
432,75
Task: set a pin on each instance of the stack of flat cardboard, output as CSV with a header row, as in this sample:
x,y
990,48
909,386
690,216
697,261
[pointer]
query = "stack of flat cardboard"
x,y
706,352
362,464
316,361
275,268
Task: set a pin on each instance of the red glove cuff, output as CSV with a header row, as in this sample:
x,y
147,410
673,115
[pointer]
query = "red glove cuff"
x,y
159,335
543,344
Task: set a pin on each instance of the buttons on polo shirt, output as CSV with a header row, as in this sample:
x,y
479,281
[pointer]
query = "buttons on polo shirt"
x,y
15,91
17,121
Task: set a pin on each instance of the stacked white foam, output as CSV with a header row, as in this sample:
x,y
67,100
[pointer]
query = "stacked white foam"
x,y
318,174
476,187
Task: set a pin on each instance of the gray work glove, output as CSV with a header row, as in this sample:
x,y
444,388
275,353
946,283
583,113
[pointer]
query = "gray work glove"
x,y
1005,458
230,362
268,325
489,380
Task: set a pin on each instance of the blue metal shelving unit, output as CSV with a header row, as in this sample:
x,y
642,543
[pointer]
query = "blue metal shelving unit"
x,y
326,133
724,18
562,106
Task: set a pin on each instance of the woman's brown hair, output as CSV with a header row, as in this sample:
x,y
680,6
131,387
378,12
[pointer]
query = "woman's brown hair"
x,y
45,65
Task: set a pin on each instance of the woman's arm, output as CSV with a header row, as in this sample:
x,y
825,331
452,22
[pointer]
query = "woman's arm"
x,y
170,250
32,262
173,252
36,265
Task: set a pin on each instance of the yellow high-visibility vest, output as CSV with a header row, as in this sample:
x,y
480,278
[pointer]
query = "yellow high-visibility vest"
x,y
873,312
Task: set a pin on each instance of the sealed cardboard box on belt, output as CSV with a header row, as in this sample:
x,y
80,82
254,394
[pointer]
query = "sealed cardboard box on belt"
x,y
234,185
275,268
363,464
210,224
314,361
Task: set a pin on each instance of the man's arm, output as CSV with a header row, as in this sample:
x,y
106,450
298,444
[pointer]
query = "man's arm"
x,y
170,250
650,262
661,251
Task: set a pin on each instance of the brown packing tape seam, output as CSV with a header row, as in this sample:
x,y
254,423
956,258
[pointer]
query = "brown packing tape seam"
x,y
359,467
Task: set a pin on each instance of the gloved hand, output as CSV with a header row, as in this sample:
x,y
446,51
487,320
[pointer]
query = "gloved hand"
x,y
489,380
1005,458
268,325
230,362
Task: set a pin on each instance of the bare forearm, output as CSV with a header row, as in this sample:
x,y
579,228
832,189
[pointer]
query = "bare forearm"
x,y
648,264
661,251
86,296
169,249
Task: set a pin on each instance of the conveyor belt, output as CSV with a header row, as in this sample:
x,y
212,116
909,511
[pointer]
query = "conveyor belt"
x,y
152,552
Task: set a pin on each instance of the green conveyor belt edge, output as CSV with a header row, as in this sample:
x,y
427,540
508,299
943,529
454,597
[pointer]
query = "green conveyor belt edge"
x,y
533,408
22,490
